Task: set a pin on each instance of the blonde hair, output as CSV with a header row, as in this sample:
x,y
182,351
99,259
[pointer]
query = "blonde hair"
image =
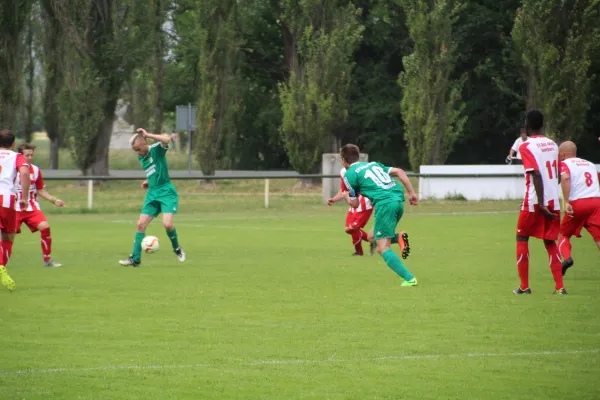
x,y
134,138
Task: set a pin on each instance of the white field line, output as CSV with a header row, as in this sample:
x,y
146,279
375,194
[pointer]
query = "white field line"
x,y
297,362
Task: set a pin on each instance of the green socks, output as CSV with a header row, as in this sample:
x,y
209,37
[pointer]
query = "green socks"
x,y
136,254
173,237
394,262
395,239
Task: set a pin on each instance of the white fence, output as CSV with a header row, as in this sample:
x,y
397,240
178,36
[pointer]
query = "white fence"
x,y
473,182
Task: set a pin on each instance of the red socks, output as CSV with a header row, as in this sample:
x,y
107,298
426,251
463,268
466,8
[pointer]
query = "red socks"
x,y
565,247
555,264
364,235
523,263
6,251
357,240
46,242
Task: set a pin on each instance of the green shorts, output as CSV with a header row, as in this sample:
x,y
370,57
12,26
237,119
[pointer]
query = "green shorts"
x,y
387,217
163,199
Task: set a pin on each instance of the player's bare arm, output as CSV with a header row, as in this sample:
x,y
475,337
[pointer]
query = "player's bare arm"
x,y
338,197
159,138
145,184
412,195
565,184
352,201
25,184
43,193
538,183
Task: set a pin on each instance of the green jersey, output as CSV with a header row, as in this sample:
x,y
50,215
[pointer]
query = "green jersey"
x,y
155,166
372,180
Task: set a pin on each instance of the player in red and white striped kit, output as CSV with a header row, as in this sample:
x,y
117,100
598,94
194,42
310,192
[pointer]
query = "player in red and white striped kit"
x,y
540,210
32,215
579,181
10,164
356,219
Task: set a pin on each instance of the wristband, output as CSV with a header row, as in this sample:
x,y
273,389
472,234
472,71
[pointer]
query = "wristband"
x,y
53,199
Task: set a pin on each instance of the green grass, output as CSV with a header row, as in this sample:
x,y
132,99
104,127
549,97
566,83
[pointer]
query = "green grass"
x,y
270,305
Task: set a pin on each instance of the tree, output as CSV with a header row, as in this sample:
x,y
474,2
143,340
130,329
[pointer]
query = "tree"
x,y
555,40
431,105
108,39
219,96
320,38
14,16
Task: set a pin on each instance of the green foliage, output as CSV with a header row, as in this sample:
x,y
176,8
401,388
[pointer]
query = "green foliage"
x,y
432,105
314,97
218,79
555,40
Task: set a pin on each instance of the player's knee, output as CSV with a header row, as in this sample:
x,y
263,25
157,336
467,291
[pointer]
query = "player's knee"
x,y
43,226
598,244
169,225
142,225
349,229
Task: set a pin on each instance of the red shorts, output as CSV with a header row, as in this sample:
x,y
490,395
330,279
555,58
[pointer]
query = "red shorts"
x,y
358,219
535,224
586,214
8,220
31,218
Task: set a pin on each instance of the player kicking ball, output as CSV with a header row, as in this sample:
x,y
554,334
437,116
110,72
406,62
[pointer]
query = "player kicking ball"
x,y
161,195
356,219
579,182
373,181
540,210
32,215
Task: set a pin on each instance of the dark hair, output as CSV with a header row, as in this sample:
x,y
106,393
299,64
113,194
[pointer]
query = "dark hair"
x,y
25,146
350,153
534,120
7,138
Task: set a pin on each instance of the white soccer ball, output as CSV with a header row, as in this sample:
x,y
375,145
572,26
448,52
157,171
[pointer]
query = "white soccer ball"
x,y
150,244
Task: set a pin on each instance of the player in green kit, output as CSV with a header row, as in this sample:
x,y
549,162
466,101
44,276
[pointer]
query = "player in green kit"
x,y
373,181
161,196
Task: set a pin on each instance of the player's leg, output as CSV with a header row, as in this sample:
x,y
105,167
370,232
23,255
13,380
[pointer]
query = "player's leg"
x,y
527,226
551,232
5,279
387,217
349,229
42,225
144,220
169,203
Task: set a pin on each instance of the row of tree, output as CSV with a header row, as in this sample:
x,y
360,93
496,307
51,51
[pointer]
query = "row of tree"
x,y
278,82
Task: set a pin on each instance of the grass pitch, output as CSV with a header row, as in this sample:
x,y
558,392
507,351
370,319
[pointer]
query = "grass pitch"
x,y
270,305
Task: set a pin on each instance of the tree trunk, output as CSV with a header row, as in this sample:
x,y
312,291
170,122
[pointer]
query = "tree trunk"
x,y
289,50
30,75
160,69
54,147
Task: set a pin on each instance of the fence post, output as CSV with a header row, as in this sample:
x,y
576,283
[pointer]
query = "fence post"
x,y
266,193
90,193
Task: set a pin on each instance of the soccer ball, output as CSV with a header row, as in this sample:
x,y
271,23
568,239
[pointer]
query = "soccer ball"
x,y
150,244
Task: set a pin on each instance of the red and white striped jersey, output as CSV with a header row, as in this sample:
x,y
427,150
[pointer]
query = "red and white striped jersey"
x,y
584,178
365,204
37,183
540,153
10,162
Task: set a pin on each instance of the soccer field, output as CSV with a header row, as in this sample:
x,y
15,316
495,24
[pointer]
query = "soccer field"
x,y
270,305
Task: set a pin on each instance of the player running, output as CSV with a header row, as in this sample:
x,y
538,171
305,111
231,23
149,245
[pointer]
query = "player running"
x,y
356,219
540,210
10,164
161,195
579,181
373,181
32,214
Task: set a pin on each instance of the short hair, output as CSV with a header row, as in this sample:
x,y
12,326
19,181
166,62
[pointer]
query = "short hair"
x,y
135,137
7,138
350,153
25,146
535,120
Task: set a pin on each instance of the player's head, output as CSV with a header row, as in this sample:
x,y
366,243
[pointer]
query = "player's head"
x,y
27,149
7,139
139,145
567,149
524,133
350,154
534,122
